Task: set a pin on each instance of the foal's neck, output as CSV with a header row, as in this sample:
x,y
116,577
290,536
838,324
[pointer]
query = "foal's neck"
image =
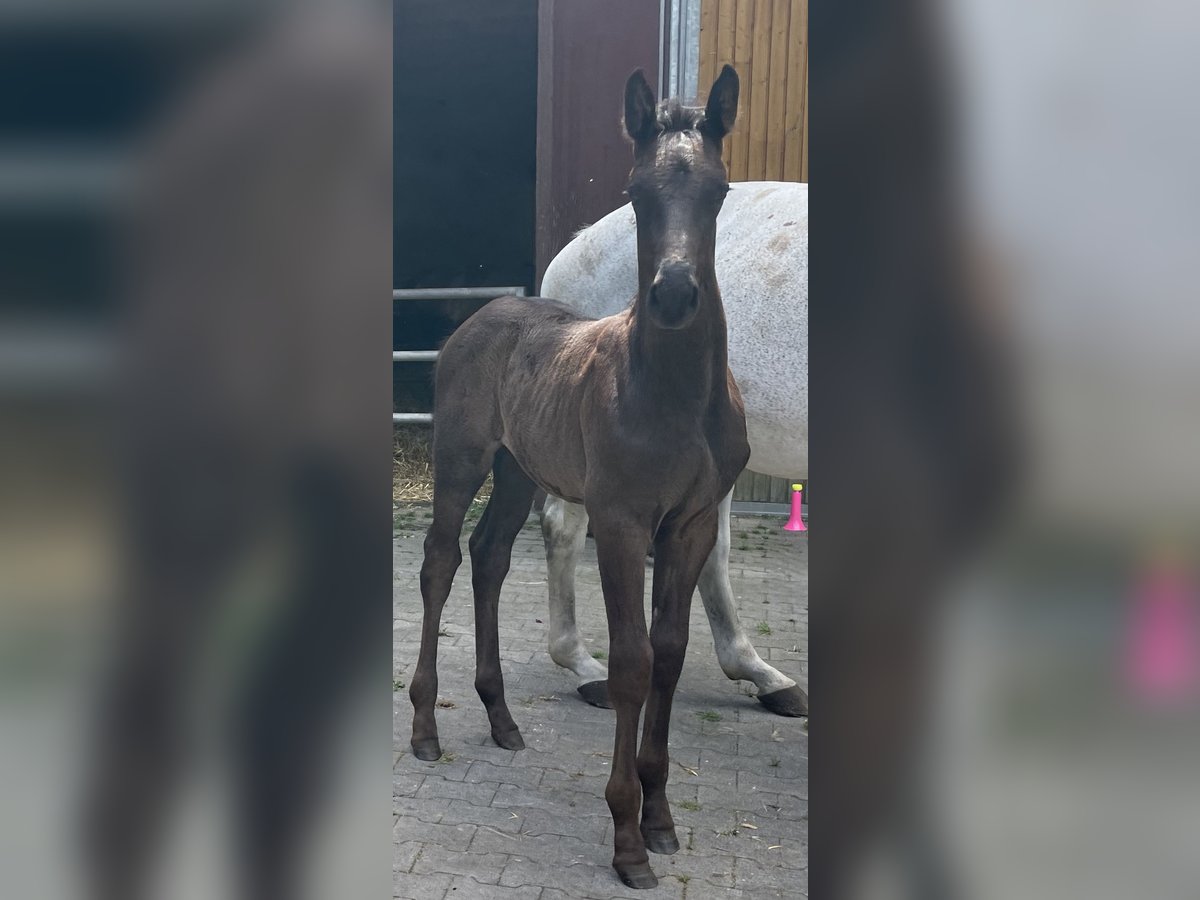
x,y
686,365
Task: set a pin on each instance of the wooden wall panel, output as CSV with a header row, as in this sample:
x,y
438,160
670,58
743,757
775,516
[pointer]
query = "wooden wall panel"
x,y
767,42
586,50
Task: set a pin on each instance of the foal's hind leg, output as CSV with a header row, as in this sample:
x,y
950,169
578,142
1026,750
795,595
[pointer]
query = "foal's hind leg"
x,y
491,552
458,473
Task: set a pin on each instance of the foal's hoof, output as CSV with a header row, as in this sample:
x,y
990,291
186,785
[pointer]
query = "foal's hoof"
x,y
429,749
661,841
509,740
791,701
637,876
596,693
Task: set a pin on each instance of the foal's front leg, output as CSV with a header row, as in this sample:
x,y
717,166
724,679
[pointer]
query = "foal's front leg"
x,y
621,552
680,549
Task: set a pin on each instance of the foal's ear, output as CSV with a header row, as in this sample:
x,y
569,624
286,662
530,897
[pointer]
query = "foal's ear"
x,y
721,111
641,116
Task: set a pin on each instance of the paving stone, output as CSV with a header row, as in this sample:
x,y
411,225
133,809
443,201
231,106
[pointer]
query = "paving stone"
x,y
703,890
761,880
590,825
465,887
548,849
575,880
483,771
405,854
420,887
405,784
479,794
423,809
483,867
454,837
459,812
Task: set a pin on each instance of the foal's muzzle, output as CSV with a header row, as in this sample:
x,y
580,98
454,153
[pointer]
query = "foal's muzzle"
x,y
674,295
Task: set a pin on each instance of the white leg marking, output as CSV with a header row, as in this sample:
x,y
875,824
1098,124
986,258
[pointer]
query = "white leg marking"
x,y
564,527
737,656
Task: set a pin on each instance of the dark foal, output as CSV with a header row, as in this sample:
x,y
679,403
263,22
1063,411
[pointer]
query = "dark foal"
x,y
637,417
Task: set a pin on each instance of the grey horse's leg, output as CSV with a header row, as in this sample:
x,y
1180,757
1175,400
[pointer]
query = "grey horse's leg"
x,y
737,656
564,527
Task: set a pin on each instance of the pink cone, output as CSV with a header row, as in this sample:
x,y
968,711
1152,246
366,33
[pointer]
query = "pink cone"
x,y
796,522
1161,662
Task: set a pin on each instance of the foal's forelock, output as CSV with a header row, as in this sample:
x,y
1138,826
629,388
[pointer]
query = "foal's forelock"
x,y
679,150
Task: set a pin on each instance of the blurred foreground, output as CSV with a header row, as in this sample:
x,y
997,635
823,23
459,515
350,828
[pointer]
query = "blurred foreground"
x,y
1006,417
194,384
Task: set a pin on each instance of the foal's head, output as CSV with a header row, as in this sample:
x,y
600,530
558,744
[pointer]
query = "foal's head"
x,y
677,185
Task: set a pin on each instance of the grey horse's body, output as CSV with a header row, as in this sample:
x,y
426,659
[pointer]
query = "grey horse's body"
x,y
762,266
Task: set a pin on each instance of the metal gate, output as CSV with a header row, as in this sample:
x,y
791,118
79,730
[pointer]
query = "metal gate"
x,y
428,356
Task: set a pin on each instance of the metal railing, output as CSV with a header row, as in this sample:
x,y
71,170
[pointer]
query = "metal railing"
x,y
414,356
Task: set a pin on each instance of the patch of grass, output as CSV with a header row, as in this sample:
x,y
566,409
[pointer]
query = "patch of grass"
x,y
684,879
689,805
397,685
599,654
443,633
764,628
707,715
447,757
743,546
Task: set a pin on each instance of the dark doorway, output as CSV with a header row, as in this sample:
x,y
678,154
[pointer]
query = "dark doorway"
x,y
464,143
464,166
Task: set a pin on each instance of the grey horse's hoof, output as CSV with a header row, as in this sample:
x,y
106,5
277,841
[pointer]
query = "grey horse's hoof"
x,y
661,841
509,740
637,876
791,701
595,693
429,749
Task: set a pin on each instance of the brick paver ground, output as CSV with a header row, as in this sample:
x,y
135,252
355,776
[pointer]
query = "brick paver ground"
x,y
533,825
